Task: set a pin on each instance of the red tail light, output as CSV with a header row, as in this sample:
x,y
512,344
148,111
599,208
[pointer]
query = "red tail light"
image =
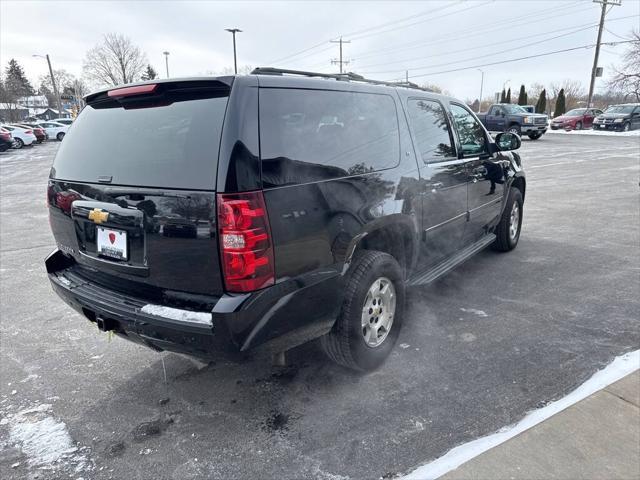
x,y
246,251
28,132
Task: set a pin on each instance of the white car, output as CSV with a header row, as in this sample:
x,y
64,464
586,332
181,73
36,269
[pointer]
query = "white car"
x,y
54,129
21,135
64,121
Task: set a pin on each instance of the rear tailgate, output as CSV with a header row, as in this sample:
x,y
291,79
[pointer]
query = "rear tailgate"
x,y
131,193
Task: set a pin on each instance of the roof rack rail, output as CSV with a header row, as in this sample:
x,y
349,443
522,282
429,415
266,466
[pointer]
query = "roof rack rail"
x,y
336,76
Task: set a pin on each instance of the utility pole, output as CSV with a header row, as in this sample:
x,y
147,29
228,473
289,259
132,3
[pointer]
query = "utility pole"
x,y
597,53
166,62
481,86
233,31
53,83
340,61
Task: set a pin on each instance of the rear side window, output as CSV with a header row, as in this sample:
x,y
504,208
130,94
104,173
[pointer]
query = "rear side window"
x,y
171,146
312,135
431,130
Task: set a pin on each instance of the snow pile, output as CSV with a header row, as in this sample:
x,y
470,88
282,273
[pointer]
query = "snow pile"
x,y
178,314
602,133
619,368
45,440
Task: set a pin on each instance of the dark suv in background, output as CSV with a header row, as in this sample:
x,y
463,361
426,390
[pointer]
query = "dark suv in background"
x,y
623,117
311,202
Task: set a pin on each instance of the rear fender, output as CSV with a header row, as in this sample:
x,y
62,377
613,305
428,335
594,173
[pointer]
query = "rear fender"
x,y
399,227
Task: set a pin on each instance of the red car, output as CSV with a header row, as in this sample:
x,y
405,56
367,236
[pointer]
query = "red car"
x,y
576,119
6,140
38,131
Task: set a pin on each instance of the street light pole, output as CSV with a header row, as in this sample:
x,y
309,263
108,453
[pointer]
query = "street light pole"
x,y
53,83
481,86
233,31
166,62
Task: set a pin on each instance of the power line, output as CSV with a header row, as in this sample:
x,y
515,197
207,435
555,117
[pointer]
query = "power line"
x,y
518,59
506,24
357,32
501,42
493,53
419,22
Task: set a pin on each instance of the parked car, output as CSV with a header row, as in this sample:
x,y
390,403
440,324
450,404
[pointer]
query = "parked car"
x,y
63,121
21,135
317,227
54,129
506,117
576,119
623,117
38,131
6,140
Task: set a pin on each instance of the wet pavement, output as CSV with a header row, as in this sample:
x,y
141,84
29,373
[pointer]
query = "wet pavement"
x,y
497,337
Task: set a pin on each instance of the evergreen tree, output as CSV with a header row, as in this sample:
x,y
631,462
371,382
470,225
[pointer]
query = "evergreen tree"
x,y
503,96
149,73
16,82
541,106
560,104
508,97
522,97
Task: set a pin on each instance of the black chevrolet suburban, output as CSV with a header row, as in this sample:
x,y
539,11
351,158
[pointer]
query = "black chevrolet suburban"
x,y
259,212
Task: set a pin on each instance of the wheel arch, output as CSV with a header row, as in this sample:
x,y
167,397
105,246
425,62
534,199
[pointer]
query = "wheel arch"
x,y
520,183
395,235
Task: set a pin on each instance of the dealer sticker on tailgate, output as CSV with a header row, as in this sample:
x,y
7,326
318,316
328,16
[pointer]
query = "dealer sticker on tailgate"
x,y
112,243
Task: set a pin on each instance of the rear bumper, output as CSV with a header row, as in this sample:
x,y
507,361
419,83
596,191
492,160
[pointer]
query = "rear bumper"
x,y
271,320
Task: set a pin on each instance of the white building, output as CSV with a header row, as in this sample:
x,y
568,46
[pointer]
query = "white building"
x,y
35,101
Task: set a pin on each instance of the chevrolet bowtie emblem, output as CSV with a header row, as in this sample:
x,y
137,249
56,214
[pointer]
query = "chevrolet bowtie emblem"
x,y
98,216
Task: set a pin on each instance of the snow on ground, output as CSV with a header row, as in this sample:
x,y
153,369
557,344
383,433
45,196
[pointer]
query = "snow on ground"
x,y
602,133
46,441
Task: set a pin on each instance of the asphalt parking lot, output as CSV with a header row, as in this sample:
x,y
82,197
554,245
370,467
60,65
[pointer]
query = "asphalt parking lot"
x,y
499,336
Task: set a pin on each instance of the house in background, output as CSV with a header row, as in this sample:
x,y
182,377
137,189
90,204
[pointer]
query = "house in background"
x,y
34,101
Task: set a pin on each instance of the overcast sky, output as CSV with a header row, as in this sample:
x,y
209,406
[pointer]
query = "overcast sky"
x,y
387,38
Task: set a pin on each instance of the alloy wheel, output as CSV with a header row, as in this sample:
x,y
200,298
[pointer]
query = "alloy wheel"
x,y
378,311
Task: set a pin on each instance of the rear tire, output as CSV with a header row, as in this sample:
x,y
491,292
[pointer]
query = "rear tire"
x,y
60,136
508,229
359,339
18,143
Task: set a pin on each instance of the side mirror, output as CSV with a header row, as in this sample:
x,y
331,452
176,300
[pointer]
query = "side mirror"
x,y
508,141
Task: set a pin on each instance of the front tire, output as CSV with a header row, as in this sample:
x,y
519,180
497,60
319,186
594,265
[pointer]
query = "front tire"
x,y
578,125
371,315
535,135
515,129
626,127
60,136
508,229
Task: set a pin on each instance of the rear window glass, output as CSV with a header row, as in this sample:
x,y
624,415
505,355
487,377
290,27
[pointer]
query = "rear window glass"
x,y
172,146
311,135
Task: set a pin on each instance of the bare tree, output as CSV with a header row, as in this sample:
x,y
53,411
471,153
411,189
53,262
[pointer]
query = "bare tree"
x,y
114,61
627,78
